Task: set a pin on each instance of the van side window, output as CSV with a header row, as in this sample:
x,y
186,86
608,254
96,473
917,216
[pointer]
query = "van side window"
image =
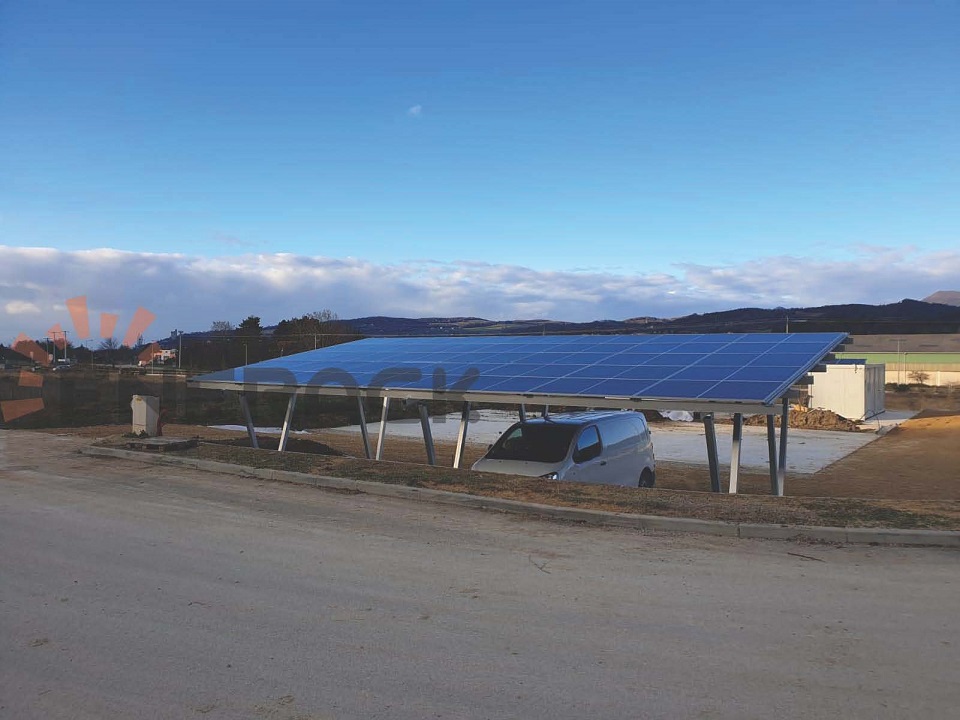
x,y
588,445
621,429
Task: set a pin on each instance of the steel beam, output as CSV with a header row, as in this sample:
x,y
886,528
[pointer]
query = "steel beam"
x,y
772,453
710,431
287,419
523,413
782,462
383,427
546,411
248,419
363,429
427,435
462,435
614,403
735,451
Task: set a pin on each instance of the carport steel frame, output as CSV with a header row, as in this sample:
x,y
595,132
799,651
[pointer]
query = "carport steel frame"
x,y
707,410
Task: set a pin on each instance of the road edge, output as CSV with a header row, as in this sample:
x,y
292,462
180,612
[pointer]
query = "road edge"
x,y
870,536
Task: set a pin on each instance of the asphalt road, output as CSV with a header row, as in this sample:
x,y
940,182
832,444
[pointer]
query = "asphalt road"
x,y
135,591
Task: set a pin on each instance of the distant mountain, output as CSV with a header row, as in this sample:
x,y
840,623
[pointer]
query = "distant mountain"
x,y
907,317
387,326
944,297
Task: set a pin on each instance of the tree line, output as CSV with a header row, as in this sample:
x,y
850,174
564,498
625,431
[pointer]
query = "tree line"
x,y
225,345
228,345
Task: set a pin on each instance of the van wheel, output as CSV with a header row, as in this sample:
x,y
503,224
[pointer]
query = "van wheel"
x,y
647,478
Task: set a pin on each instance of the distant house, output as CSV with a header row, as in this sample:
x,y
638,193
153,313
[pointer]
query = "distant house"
x,y
158,356
10,360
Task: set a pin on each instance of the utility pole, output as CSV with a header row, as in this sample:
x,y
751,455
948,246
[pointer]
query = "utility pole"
x,y
55,333
179,334
899,363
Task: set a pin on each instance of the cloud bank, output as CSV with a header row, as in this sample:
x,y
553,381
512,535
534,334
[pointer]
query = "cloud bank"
x,y
190,292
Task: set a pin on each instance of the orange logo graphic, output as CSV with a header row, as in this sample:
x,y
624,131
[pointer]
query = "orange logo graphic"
x,y
77,307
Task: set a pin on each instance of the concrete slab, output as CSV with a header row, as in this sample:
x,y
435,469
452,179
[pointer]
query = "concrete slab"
x,y
807,450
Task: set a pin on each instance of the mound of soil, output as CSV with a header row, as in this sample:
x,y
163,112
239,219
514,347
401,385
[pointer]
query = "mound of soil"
x,y
816,419
272,442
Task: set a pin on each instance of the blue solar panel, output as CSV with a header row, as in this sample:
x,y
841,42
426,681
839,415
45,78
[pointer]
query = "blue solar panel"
x,y
735,367
621,388
650,372
761,373
730,359
507,384
704,372
738,391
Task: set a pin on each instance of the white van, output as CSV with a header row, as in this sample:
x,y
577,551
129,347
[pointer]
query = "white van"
x,y
609,448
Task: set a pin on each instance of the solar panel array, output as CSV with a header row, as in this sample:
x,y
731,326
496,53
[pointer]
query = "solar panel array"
x,y
749,367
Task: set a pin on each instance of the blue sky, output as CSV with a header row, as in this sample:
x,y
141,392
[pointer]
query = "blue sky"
x,y
630,139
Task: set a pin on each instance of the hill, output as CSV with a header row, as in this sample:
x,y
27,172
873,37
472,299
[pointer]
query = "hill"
x,y
944,297
906,316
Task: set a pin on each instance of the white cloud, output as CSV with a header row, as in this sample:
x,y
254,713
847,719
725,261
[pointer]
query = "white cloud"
x,y
415,110
190,292
19,307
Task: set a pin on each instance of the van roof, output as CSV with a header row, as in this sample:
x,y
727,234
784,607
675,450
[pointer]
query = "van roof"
x,y
580,418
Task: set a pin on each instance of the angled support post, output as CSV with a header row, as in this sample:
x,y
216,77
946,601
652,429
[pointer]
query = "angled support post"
x,y
772,453
462,435
735,452
427,435
711,433
782,461
363,429
287,419
248,419
383,428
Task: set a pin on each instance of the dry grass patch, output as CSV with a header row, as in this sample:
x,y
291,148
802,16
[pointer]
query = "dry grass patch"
x,y
323,459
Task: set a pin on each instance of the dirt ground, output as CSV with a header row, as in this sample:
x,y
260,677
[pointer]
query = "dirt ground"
x,y
920,460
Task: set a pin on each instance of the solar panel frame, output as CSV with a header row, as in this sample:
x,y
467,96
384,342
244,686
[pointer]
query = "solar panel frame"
x,y
746,368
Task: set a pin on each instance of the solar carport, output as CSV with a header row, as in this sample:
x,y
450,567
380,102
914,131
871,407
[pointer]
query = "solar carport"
x,y
734,374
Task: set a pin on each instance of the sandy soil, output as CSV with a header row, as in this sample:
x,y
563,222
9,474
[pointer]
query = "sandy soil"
x,y
745,508
920,460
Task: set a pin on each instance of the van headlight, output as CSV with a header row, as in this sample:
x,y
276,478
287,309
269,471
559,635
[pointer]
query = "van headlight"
x,y
550,476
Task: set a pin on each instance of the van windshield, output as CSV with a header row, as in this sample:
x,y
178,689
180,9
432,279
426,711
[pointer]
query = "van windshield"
x,y
534,442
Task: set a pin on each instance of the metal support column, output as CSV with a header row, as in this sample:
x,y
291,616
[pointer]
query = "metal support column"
x,y
710,431
546,411
287,419
363,429
427,435
248,419
462,435
523,413
772,453
782,463
735,451
383,428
